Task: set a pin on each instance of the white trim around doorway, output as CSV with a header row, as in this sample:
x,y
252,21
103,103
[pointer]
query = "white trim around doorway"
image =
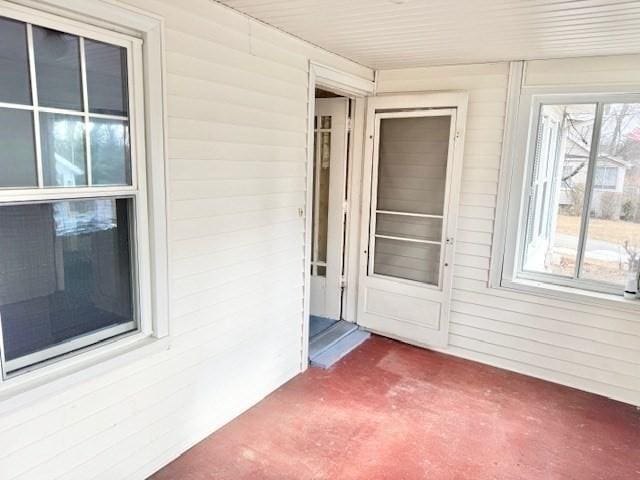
x,y
356,88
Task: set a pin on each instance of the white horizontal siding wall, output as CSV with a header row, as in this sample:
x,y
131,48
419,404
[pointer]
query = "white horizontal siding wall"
x,y
237,105
592,348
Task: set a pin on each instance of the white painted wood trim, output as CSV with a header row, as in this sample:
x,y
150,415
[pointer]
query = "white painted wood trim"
x,y
308,220
516,72
343,83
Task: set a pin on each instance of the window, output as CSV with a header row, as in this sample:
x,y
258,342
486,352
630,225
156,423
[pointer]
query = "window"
x,y
580,224
606,178
72,199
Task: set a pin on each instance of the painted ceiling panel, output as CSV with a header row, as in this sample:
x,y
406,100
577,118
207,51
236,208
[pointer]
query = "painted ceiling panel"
x,y
386,34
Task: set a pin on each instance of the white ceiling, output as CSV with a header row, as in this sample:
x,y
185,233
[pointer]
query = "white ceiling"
x,y
386,34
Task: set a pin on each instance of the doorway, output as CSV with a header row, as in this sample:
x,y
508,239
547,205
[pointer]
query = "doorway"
x,y
330,159
332,213
331,139
330,335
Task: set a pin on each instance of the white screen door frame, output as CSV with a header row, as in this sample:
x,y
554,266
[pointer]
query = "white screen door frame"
x,y
412,311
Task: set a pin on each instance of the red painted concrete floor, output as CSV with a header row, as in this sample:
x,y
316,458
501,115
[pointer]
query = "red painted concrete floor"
x,y
392,411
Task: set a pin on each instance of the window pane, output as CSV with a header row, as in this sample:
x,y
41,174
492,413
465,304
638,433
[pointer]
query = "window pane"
x,y
14,63
110,160
613,241
57,57
66,273
17,152
562,146
63,150
412,164
323,197
410,260
106,78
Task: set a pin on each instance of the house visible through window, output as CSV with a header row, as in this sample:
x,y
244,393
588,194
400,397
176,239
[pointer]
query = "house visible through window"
x,y
68,198
606,178
583,195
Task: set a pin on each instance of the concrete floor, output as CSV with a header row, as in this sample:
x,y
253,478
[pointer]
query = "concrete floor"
x,y
392,411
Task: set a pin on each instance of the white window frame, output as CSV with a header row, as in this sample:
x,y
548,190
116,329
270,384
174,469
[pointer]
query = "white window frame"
x,y
142,34
521,127
604,187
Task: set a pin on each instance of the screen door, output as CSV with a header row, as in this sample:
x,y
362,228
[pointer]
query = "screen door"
x,y
405,280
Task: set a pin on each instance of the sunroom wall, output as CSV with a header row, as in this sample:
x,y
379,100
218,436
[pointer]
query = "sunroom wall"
x,y
237,130
593,348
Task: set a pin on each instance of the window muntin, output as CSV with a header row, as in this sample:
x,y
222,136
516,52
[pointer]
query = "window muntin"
x,y
75,86
52,147
593,241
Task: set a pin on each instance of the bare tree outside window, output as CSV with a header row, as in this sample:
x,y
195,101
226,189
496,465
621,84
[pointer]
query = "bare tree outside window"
x,y
606,247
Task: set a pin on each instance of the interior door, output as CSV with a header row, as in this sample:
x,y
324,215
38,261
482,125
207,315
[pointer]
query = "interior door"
x,y
328,206
412,171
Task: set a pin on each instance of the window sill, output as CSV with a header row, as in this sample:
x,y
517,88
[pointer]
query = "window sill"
x,y
575,295
17,392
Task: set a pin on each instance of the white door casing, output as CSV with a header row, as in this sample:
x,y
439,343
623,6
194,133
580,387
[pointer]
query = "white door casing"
x,y
330,146
409,212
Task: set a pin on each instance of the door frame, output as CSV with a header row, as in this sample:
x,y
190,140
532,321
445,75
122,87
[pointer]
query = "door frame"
x,y
412,102
356,88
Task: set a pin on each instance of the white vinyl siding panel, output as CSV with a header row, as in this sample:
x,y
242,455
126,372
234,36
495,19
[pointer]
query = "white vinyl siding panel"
x,y
237,106
580,345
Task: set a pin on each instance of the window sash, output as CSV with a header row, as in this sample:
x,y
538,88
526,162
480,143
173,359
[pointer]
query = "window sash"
x,y
133,47
534,119
137,191
35,360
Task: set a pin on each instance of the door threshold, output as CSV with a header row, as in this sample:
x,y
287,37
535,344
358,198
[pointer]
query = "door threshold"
x,y
335,342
